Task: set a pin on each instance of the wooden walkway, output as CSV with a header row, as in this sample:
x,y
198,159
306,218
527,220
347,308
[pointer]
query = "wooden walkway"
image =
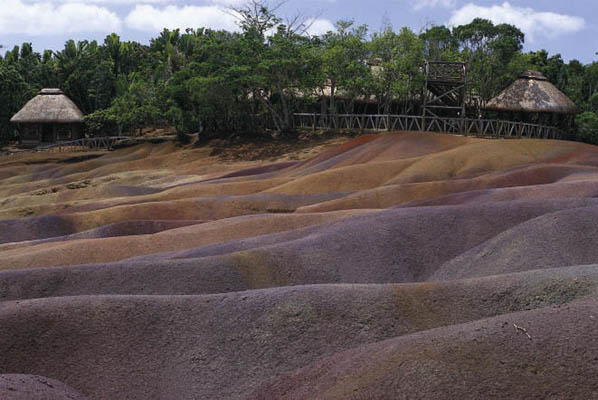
x,y
461,126
85,144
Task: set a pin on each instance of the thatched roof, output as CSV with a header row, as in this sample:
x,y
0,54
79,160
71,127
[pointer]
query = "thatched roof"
x,y
532,93
49,106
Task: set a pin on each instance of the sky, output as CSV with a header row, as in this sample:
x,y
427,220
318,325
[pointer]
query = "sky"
x,y
565,27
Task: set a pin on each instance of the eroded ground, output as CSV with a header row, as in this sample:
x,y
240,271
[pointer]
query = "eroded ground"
x,y
402,265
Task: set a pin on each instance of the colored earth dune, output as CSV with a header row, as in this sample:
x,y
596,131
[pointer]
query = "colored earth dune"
x,y
390,266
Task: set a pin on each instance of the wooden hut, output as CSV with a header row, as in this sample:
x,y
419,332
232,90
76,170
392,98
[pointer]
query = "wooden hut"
x,y
48,118
532,98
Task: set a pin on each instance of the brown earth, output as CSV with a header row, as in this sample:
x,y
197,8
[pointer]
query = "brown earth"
x,y
28,387
391,266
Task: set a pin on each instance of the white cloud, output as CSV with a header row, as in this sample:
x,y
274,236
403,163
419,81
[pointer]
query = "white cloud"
x,y
154,19
419,4
125,2
48,18
319,26
117,2
531,22
229,3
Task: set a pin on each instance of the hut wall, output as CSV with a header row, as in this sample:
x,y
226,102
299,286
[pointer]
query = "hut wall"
x,y
69,131
63,132
29,134
77,131
48,133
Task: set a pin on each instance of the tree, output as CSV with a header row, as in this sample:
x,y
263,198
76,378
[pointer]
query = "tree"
x,y
398,59
280,74
344,63
587,124
491,52
226,83
257,17
14,92
439,44
85,76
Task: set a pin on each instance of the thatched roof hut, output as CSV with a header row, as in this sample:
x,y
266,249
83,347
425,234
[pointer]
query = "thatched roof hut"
x,y
49,106
532,93
48,117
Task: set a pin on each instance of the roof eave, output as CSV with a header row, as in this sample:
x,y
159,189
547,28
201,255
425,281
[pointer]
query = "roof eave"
x,y
36,121
560,110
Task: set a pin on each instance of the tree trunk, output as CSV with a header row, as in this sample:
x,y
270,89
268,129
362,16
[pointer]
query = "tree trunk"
x,y
275,116
286,118
332,106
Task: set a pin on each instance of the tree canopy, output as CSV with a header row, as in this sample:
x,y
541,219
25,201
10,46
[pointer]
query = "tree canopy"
x,y
222,83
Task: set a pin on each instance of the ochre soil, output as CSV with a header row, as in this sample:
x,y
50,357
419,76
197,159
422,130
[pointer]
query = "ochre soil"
x,y
390,266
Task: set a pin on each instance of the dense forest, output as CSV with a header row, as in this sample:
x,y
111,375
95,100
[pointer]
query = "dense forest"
x,y
222,83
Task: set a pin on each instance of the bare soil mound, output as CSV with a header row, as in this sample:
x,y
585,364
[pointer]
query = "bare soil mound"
x,y
557,239
18,230
404,265
83,251
545,353
127,228
226,345
29,387
395,245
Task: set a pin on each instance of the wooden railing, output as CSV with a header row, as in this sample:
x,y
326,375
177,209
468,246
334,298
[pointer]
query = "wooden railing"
x,y
462,126
84,144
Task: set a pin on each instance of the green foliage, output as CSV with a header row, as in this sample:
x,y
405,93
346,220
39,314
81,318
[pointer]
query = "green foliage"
x,y
343,59
101,122
223,83
587,123
490,51
439,44
14,91
592,104
398,60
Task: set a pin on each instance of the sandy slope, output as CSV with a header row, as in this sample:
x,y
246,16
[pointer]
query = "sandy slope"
x,y
387,266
